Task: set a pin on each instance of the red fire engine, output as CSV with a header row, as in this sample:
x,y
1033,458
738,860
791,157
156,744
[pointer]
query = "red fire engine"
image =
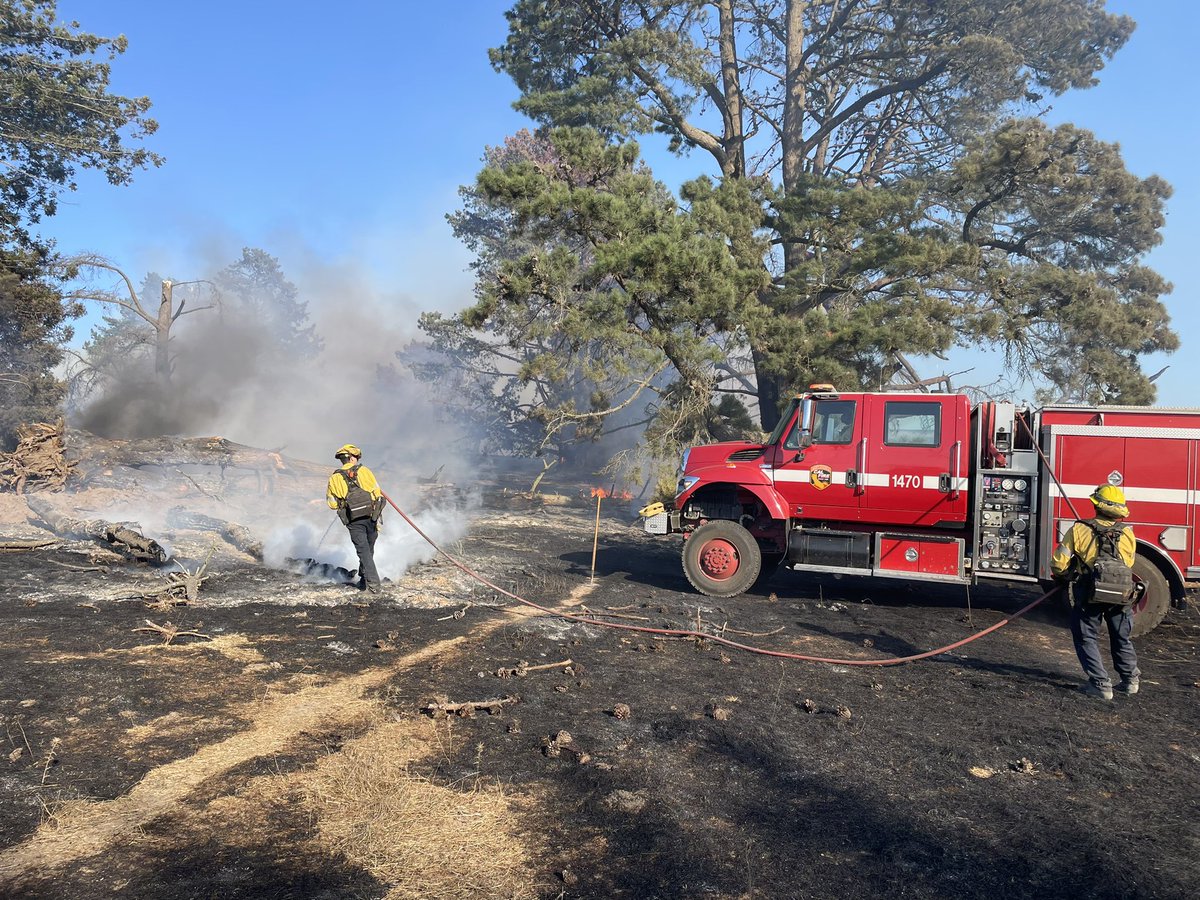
x,y
929,487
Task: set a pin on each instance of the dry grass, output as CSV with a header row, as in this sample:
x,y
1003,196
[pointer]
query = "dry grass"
x,y
422,839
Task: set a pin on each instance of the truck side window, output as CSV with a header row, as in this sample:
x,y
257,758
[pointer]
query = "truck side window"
x,y
833,423
909,423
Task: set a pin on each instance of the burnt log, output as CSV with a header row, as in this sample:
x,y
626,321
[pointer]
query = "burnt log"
x,y
238,535
119,535
99,460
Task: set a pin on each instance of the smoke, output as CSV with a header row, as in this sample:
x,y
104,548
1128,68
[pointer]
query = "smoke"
x,y
397,549
234,377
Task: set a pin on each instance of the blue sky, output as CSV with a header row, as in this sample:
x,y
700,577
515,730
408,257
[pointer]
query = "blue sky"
x,y
337,137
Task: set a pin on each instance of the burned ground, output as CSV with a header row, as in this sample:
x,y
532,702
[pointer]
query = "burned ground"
x,y
268,761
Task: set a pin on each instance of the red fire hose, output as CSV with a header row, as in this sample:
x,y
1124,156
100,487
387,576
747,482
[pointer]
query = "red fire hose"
x,y
687,633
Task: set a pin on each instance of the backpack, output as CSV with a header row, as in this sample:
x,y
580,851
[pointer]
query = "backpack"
x,y
359,504
1109,582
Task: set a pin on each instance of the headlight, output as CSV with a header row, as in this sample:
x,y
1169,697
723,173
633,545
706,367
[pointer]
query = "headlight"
x,y
685,483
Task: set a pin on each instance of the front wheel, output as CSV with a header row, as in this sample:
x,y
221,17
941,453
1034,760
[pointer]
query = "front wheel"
x,y
1152,606
721,559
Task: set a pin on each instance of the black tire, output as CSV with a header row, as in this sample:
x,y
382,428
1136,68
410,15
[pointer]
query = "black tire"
x,y
721,559
1152,606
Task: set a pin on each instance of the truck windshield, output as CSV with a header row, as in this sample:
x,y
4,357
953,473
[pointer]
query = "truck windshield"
x,y
785,419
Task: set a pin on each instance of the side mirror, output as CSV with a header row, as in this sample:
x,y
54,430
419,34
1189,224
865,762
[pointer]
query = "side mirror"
x,y
807,410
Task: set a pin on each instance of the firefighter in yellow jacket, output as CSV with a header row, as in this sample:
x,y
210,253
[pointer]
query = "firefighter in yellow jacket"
x,y
355,494
1074,562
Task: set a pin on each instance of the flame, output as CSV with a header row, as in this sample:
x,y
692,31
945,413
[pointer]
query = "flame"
x,y
606,493
278,461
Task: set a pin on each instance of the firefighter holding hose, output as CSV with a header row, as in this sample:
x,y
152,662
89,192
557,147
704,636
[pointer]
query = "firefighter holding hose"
x,y
1095,559
355,494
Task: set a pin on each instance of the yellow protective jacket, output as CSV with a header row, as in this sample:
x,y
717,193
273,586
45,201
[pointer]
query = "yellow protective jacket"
x,y
1080,543
336,491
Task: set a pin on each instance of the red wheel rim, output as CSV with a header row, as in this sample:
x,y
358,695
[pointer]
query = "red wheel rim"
x,y
719,559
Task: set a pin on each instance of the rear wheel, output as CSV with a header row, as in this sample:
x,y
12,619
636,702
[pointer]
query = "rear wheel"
x,y
1152,606
721,559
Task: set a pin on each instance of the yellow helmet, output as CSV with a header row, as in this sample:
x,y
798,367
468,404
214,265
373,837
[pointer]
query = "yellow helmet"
x,y
347,450
1109,501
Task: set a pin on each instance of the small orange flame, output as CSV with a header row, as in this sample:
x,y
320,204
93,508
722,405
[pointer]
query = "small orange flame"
x,y
605,493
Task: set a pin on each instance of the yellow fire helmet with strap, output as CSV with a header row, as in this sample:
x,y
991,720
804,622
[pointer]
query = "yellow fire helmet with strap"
x,y
1109,501
347,450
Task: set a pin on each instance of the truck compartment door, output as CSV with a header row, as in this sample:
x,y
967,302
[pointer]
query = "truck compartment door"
x,y
925,557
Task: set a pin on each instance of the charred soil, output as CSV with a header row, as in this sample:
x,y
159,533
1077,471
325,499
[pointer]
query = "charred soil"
x,y
286,751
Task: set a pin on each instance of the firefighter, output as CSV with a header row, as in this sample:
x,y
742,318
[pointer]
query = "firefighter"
x,y
355,494
1076,559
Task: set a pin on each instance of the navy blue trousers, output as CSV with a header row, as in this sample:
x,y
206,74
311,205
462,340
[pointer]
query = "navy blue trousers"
x,y
363,533
1086,621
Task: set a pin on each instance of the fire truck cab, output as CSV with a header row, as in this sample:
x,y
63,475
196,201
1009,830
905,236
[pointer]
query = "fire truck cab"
x,y
930,487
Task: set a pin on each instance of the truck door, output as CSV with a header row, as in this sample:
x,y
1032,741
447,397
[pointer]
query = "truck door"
x,y
913,457
813,481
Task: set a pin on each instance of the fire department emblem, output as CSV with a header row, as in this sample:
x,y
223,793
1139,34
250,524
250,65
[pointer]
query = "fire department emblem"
x,y
821,477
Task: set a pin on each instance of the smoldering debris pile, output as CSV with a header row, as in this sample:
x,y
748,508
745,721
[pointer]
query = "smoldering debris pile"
x,y
39,461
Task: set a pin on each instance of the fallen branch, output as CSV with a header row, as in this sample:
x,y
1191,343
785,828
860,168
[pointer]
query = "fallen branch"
x,y
187,582
23,546
458,613
197,486
523,668
63,565
51,757
440,709
169,632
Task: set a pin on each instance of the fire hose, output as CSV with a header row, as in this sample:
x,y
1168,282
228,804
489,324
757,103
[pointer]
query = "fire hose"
x,y
683,633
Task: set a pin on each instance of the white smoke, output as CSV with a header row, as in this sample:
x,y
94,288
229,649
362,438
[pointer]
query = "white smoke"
x,y
398,548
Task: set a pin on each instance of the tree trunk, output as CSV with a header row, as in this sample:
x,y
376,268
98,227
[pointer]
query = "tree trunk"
x,y
794,98
735,147
771,387
770,391
162,337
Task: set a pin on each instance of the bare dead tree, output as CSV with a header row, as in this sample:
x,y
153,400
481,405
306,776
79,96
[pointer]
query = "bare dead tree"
x,y
161,320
